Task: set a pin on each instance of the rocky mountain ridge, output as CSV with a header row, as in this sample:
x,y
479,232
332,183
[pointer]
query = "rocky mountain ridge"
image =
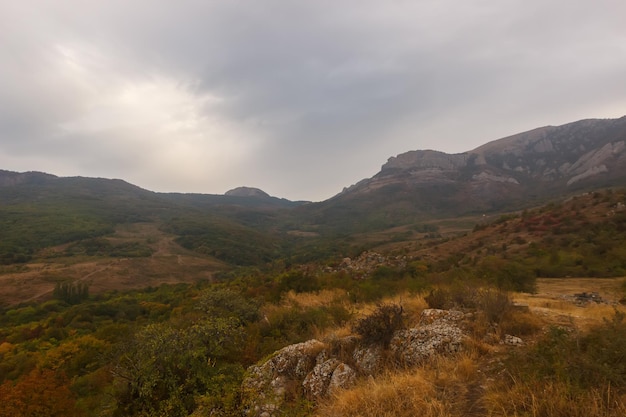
x,y
528,167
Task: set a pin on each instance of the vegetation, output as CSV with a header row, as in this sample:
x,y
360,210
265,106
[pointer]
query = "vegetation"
x,y
567,374
378,328
71,293
182,349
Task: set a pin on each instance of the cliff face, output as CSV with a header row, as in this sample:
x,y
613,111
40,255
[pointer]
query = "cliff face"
x,y
426,160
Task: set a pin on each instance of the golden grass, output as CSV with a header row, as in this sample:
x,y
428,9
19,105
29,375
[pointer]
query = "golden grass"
x,y
554,300
412,306
398,395
551,399
335,333
315,299
439,389
458,386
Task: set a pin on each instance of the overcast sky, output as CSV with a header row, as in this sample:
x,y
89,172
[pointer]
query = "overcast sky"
x,y
298,98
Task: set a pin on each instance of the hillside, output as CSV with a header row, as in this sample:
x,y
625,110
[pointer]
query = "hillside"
x,y
113,235
203,346
516,172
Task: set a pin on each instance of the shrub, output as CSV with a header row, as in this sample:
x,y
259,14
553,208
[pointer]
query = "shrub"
x,y
379,327
438,298
494,305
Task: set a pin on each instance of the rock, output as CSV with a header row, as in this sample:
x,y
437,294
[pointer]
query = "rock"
x,y
368,359
328,377
344,377
317,381
433,315
513,340
440,334
266,386
316,370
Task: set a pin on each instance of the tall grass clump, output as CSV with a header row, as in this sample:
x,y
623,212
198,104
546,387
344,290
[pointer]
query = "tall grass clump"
x,y
400,395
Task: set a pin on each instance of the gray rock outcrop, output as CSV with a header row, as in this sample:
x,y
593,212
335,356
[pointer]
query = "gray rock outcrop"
x,y
310,369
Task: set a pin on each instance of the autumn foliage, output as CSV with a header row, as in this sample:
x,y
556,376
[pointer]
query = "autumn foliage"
x,y
41,393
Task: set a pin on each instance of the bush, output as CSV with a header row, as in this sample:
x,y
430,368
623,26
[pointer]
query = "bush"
x,y
219,302
494,305
438,298
379,327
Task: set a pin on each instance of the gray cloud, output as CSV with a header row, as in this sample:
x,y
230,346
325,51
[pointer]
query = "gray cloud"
x,y
297,98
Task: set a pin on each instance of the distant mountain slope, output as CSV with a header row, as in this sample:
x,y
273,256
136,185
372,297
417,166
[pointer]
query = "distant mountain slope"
x,y
518,171
39,210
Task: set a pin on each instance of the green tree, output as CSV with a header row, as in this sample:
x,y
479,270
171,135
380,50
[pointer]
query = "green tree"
x,y
165,370
70,292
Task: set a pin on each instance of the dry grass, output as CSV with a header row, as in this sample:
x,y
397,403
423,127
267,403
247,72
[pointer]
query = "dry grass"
x,y
551,399
554,300
470,383
412,306
440,389
398,395
316,299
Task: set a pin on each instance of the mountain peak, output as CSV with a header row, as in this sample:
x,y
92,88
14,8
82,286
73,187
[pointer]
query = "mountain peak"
x,y
247,192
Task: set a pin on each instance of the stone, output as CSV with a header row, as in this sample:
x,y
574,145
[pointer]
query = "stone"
x,y
432,315
266,386
316,383
512,340
368,359
317,370
344,377
439,332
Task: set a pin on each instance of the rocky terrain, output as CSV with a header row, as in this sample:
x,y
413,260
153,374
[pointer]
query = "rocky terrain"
x,y
529,167
315,369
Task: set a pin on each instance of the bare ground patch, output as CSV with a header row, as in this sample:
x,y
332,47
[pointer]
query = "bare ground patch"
x,y
169,263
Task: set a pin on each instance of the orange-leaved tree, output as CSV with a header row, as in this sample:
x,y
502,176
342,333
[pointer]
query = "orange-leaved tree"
x,y
41,393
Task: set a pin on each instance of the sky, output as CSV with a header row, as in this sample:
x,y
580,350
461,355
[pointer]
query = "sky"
x,y
297,97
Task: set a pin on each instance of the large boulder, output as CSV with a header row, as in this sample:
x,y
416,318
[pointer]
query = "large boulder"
x,y
439,332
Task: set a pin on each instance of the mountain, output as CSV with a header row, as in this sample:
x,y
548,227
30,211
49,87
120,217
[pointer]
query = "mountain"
x,y
507,174
247,192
